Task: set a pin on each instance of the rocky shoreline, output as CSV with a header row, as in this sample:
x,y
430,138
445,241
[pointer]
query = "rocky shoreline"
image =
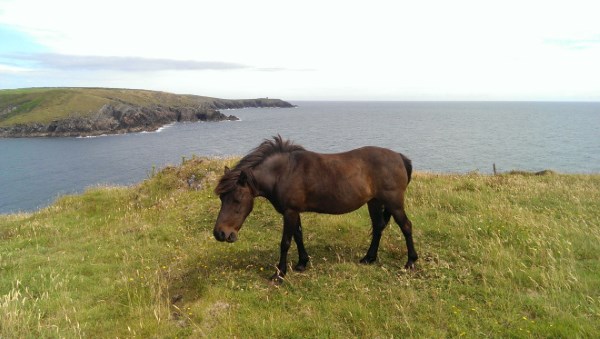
x,y
127,118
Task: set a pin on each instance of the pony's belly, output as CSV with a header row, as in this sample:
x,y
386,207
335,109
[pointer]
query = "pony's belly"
x,y
335,207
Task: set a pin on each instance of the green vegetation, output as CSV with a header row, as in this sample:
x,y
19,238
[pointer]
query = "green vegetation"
x,y
513,255
43,105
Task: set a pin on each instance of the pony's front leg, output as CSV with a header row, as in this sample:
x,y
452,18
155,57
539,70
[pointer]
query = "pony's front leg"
x,y
291,221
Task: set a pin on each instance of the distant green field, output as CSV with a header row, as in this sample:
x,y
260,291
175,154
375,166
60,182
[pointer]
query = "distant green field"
x,y
513,255
43,105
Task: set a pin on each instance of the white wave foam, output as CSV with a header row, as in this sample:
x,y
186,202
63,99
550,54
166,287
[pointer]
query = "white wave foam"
x,y
160,129
91,136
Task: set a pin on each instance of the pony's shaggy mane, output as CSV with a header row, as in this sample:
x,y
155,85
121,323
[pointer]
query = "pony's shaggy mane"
x,y
229,180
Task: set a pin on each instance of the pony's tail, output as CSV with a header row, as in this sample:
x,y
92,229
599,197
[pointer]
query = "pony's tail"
x,y
408,166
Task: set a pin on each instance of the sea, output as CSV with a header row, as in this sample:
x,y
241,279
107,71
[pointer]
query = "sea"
x,y
439,137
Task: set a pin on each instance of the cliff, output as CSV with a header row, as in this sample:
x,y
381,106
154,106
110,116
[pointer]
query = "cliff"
x,y
61,112
517,255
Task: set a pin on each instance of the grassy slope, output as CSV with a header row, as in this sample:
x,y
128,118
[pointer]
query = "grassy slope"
x,y
516,255
47,104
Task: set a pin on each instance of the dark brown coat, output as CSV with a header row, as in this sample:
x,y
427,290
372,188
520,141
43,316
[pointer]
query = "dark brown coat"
x,y
295,180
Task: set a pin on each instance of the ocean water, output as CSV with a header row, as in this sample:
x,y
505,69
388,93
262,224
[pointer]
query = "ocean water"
x,y
443,137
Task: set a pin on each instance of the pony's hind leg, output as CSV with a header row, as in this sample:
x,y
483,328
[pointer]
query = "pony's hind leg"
x,y
379,219
406,226
302,254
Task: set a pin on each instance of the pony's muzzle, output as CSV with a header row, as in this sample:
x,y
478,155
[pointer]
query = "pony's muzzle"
x,y
220,235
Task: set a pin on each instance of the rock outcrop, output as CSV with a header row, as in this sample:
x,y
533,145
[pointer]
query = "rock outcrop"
x,y
125,118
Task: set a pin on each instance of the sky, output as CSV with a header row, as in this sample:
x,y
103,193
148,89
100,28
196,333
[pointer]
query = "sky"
x,y
308,50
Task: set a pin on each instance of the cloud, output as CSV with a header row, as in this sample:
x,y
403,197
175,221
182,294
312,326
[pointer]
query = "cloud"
x,y
575,43
118,63
9,69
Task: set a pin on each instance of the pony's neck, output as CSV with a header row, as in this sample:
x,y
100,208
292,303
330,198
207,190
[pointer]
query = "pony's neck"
x,y
267,173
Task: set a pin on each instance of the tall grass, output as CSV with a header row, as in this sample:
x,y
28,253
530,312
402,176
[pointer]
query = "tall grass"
x,y
508,255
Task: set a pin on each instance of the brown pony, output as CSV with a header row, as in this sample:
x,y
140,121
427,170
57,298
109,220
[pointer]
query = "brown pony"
x,y
295,180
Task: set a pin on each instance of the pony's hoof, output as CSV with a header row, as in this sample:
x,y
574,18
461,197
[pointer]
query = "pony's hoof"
x,y
368,260
300,267
276,279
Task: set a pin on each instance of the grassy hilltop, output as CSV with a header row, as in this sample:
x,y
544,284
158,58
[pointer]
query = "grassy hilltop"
x,y
513,255
92,111
43,105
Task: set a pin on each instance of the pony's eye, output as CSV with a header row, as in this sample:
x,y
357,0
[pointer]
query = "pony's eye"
x,y
237,197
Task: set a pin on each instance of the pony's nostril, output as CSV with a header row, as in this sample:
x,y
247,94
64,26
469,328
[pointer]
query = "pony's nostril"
x,y
219,235
232,237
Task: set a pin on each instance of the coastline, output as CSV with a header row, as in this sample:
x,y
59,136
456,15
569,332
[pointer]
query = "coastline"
x,y
116,122
110,111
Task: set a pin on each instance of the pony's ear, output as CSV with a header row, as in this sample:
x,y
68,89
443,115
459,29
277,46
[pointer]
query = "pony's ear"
x,y
226,170
243,178
247,179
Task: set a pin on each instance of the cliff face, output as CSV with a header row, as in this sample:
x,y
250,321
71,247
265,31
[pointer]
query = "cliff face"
x,y
126,118
244,103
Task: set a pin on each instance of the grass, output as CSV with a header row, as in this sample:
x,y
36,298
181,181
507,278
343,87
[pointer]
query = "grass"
x,y
43,105
513,255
